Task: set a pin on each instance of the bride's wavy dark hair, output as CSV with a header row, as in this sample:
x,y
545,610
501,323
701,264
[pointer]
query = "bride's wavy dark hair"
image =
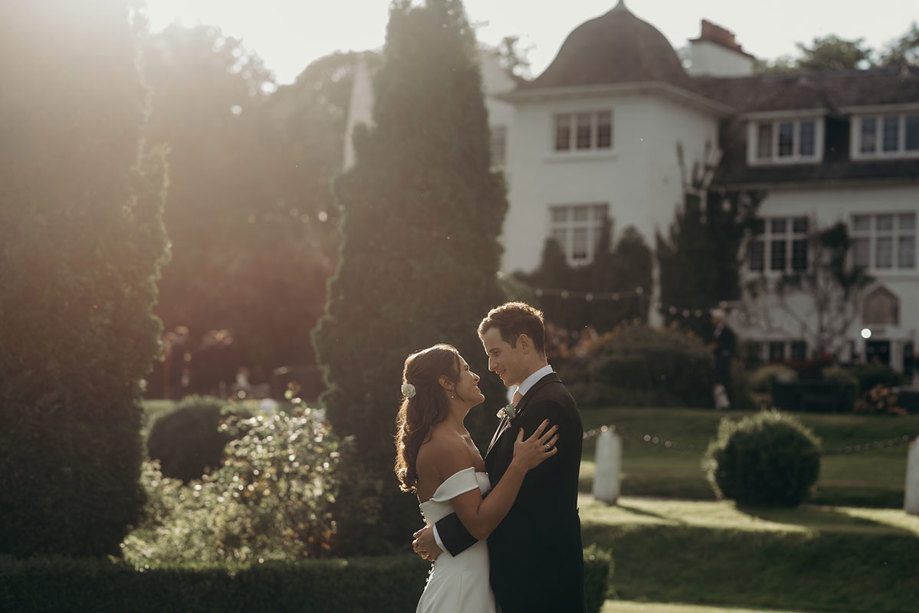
x,y
427,408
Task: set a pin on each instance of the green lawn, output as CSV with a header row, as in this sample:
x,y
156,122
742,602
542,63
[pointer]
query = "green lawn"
x,y
806,519
867,478
709,553
616,606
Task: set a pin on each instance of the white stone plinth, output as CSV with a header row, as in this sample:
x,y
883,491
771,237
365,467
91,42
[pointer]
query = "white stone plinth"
x,y
608,459
911,501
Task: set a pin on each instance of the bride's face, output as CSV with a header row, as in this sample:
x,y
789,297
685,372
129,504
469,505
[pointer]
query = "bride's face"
x,y
467,387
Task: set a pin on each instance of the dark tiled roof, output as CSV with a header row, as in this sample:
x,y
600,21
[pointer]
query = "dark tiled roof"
x,y
808,90
614,48
832,91
837,166
735,173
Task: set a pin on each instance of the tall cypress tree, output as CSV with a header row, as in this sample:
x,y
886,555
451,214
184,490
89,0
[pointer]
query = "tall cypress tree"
x,y
82,240
421,215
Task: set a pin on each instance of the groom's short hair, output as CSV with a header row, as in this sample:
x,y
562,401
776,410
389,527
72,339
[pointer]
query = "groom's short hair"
x,y
513,319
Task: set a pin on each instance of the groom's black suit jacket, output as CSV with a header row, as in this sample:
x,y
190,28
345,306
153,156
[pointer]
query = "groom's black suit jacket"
x,y
537,561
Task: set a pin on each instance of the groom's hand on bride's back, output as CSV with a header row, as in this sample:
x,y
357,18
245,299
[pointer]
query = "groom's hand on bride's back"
x,y
425,545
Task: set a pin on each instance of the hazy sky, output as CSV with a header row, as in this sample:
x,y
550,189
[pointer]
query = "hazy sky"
x,y
289,34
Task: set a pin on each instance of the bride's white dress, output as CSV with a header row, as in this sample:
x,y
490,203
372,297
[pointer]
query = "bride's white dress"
x,y
457,584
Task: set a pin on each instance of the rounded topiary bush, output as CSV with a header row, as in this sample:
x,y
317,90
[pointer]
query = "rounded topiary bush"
x,y
187,441
768,459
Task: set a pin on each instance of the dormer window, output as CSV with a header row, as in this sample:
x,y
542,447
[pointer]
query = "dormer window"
x,y
785,141
583,131
881,136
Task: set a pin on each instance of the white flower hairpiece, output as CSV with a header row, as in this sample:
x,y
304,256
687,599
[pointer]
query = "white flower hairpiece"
x,y
408,390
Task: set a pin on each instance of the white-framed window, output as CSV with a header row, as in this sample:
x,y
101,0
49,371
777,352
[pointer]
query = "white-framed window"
x,y
583,131
498,145
781,350
785,141
884,241
577,229
777,351
797,349
779,245
890,135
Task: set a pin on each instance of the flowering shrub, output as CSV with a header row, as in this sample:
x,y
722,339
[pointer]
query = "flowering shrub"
x,y
271,498
880,399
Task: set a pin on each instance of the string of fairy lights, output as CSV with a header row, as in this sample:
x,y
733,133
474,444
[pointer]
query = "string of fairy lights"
x,y
639,292
667,443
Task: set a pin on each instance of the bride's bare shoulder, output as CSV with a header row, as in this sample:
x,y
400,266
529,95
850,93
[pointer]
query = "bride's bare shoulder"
x,y
439,442
443,450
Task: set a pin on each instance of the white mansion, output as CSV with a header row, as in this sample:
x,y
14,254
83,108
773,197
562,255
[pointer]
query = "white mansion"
x,y
596,135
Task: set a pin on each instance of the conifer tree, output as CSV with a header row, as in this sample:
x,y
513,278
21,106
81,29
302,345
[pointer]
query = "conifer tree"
x,y
617,279
82,240
421,215
700,257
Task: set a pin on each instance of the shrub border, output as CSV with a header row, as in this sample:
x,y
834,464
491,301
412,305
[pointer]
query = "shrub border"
x,y
389,583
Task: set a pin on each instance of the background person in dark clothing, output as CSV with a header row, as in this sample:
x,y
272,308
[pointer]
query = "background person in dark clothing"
x,y
723,347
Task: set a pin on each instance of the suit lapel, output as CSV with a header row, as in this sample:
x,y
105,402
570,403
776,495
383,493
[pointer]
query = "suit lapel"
x,y
521,407
494,439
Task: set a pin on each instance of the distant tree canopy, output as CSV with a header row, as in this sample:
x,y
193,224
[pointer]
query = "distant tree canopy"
x,y
421,215
82,238
904,50
512,58
249,211
834,53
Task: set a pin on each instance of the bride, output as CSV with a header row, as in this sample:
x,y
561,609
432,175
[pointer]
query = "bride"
x,y
437,459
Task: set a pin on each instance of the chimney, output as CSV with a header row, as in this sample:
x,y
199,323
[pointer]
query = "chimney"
x,y
715,53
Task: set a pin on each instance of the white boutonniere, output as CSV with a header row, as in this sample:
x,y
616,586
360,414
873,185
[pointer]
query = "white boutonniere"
x,y
510,410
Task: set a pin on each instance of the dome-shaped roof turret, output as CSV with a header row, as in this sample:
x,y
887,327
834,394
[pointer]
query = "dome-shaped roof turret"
x,y
617,47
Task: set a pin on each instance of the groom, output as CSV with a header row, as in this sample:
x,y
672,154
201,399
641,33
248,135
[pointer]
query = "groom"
x,y
536,555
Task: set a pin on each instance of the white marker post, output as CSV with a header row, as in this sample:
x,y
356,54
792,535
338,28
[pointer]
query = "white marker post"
x,y
608,460
911,500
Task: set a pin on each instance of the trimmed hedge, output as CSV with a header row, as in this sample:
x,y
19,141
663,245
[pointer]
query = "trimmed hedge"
x,y
377,585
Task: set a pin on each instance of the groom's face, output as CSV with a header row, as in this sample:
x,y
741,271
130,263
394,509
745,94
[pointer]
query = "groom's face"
x,y
503,360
